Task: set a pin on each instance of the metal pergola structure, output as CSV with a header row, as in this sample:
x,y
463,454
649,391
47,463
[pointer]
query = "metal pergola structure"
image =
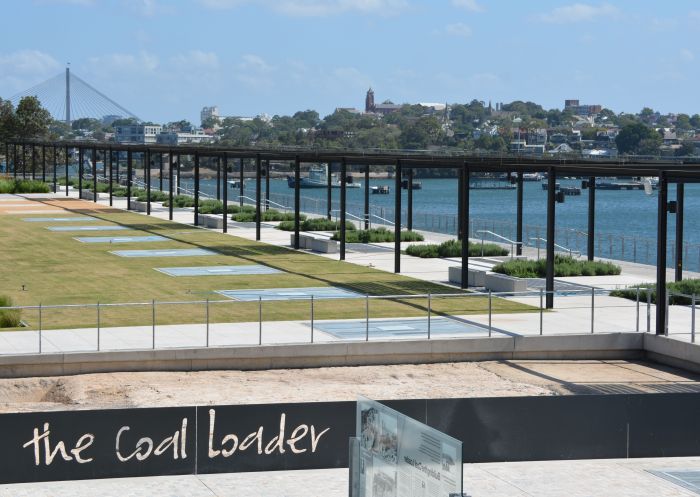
x,y
679,171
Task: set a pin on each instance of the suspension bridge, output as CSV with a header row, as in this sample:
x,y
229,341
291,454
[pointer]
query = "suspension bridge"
x,y
68,97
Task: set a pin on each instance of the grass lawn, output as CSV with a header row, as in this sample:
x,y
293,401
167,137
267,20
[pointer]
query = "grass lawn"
x,y
56,269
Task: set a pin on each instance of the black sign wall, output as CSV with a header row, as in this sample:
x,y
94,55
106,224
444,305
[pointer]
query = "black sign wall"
x,y
144,442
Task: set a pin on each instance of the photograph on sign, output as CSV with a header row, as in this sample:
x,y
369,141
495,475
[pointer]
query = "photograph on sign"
x,y
399,456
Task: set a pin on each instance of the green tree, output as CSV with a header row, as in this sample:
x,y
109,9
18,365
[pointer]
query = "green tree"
x,y
687,149
211,122
683,122
695,121
87,123
32,120
7,120
638,139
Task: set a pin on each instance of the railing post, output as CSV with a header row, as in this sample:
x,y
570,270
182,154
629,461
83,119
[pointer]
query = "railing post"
x,y
637,321
648,310
259,320
40,327
312,318
153,324
367,318
541,309
692,319
429,313
490,308
207,318
592,309
98,326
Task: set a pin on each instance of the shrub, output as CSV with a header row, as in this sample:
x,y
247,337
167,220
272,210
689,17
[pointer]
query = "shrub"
x,y
23,186
156,196
453,248
564,266
211,207
377,235
687,287
316,224
246,216
8,318
180,201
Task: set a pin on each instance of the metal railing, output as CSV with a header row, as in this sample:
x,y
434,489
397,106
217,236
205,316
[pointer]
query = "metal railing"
x,y
434,315
513,243
556,245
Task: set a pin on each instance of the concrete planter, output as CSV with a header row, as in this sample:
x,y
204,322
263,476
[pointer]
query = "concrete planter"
x,y
474,277
503,283
317,244
138,206
214,221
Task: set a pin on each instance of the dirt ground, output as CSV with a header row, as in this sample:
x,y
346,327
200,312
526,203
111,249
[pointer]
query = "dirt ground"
x,y
474,379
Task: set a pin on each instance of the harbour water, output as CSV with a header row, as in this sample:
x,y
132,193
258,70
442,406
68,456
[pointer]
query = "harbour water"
x,y
625,220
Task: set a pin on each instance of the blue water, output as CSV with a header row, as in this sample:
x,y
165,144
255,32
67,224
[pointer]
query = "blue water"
x,y
625,220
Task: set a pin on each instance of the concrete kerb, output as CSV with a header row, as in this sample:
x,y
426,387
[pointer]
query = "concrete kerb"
x,y
603,346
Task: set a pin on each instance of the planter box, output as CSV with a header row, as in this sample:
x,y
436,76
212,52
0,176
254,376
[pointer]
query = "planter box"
x,y
214,221
502,283
474,276
310,242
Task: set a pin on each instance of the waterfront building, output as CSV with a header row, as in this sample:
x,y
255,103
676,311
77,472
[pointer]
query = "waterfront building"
x,y
197,136
137,133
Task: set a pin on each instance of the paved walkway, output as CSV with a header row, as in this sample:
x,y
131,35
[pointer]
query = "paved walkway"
x,y
604,478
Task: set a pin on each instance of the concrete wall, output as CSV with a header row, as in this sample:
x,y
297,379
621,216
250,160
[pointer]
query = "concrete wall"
x,y
601,346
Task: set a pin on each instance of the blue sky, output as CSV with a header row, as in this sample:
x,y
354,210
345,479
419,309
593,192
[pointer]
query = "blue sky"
x,y
165,59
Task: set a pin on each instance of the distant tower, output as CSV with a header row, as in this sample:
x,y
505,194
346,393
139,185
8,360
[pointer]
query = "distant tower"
x,y
369,101
68,94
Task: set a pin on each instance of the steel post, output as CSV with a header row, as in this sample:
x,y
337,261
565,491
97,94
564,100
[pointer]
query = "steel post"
x,y
680,201
129,177
464,226
367,220
196,188
171,186
329,190
590,252
409,201
519,216
551,207
661,245
94,174
343,205
147,172
297,201
397,218
224,211
258,185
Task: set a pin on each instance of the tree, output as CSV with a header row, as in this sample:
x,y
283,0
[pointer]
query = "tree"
x,y
695,121
32,120
687,149
638,139
211,122
683,122
87,123
7,120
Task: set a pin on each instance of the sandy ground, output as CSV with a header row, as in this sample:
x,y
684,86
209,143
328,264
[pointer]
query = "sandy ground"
x,y
475,379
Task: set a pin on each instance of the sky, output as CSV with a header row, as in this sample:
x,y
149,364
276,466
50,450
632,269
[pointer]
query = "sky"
x,y
166,59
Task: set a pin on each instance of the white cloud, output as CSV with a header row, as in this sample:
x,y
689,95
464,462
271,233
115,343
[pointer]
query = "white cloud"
x,y
196,59
118,62
687,55
315,8
458,29
23,69
254,72
579,12
471,5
